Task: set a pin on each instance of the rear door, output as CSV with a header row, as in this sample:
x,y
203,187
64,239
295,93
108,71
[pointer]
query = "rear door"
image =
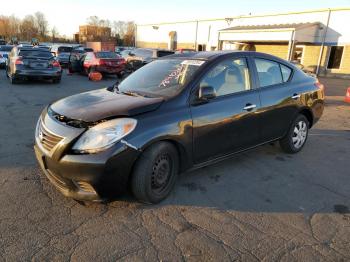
x,y
279,101
75,62
227,123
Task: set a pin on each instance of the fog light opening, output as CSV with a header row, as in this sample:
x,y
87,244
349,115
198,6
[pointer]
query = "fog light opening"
x,y
85,186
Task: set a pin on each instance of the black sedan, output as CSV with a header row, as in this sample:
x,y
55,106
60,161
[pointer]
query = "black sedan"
x,y
177,113
26,63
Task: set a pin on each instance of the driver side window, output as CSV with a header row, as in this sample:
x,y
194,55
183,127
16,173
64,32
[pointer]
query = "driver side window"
x,y
228,77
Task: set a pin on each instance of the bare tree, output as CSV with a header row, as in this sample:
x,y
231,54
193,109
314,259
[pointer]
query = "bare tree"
x,y
28,29
41,24
54,33
9,26
119,28
93,20
129,37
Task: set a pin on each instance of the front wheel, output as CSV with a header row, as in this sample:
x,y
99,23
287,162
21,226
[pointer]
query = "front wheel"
x,y
155,173
296,137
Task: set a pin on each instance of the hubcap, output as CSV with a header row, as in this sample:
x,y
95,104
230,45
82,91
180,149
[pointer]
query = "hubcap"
x,y
161,172
299,134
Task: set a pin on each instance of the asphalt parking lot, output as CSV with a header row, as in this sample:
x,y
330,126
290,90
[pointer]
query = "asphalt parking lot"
x,y
259,205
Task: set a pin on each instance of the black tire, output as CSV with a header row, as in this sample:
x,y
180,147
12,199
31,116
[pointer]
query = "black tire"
x,y
56,80
155,173
297,135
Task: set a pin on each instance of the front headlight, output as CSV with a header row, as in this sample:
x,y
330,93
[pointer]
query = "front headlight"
x,y
104,135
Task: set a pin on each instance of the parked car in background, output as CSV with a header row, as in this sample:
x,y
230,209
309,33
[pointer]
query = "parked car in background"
x,y
177,113
44,47
120,49
4,52
25,63
76,56
105,62
62,53
82,49
27,45
141,56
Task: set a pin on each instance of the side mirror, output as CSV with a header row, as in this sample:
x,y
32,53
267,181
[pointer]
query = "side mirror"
x,y
131,54
206,93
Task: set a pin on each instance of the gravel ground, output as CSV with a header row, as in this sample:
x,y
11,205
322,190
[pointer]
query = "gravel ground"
x,y
259,205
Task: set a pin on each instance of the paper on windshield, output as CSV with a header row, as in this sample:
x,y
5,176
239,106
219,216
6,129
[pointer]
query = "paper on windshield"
x,y
193,62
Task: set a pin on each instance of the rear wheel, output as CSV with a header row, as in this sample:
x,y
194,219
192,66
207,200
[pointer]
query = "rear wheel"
x,y
13,79
56,80
155,173
296,137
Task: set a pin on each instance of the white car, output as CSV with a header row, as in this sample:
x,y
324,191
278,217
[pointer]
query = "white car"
x,y
4,52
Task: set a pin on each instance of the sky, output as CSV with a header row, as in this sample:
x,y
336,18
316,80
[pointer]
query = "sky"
x,y
67,15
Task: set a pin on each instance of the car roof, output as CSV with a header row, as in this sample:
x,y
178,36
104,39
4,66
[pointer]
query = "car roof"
x,y
210,55
33,49
203,55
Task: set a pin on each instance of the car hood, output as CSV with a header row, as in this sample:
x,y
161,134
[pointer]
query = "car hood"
x,y
102,104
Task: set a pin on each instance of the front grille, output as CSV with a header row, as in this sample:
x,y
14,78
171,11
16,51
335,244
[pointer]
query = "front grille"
x,y
47,138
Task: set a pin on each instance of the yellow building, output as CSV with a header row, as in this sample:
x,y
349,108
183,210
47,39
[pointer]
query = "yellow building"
x,y
91,33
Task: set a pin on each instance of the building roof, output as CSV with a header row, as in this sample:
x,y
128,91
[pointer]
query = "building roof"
x,y
251,16
203,55
267,27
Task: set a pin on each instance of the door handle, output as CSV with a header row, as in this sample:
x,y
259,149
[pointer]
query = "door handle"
x,y
295,96
249,107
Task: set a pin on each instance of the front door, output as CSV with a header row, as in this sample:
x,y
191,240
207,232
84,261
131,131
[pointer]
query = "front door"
x,y
229,122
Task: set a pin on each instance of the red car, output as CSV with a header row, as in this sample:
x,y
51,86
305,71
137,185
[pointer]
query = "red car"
x,y
105,62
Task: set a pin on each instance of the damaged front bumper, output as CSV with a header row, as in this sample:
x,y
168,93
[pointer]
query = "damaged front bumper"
x,y
86,177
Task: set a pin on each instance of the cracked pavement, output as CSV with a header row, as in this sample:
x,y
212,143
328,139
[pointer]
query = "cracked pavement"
x,y
261,205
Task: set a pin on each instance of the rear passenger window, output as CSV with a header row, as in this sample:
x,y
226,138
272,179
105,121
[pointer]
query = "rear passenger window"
x,y
269,72
286,73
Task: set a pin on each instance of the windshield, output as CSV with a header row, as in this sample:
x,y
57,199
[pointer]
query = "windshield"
x,y
35,53
106,55
164,78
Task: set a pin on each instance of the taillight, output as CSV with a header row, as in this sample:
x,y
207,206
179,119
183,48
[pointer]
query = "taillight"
x,y
19,61
56,64
101,62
